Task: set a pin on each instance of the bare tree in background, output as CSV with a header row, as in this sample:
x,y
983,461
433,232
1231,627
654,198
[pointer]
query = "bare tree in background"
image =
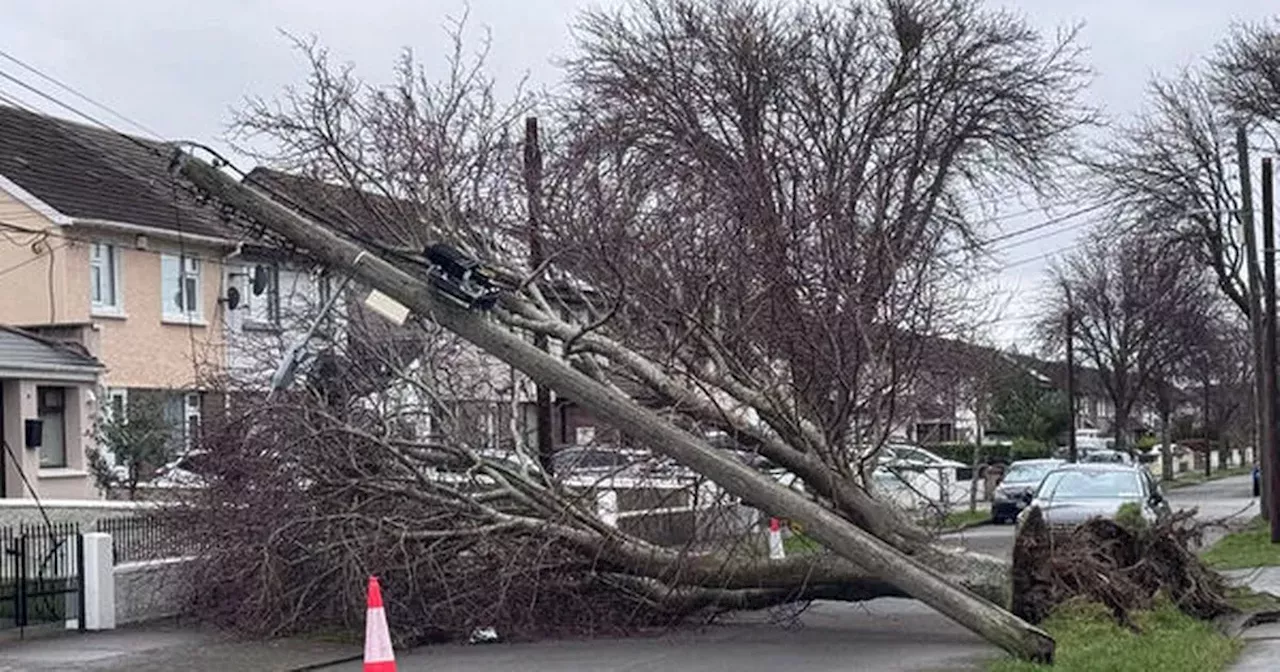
x,y
1172,170
756,215
1138,311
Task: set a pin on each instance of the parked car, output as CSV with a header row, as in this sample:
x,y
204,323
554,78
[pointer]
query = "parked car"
x,y
188,471
1073,493
903,455
1021,479
610,462
1106,456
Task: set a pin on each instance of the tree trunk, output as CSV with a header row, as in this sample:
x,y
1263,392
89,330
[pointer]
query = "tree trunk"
x,y
923,583
1166,451
1121,429
977,465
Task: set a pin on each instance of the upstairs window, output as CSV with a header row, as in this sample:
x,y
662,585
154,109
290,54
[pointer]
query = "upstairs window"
x,y
261,297
180,287
104,270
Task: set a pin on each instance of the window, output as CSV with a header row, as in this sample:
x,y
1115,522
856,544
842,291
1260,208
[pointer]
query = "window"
x,y
935,432
192,425
180,287
117,404
51,407
104,273
261,296
182,415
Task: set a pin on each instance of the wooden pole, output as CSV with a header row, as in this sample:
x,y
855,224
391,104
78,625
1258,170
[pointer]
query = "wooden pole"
x,y
1264,410
533,195
837,533
1271,464
1072,455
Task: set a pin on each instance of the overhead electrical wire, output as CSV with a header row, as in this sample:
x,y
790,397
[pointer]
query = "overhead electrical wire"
x,y
65,87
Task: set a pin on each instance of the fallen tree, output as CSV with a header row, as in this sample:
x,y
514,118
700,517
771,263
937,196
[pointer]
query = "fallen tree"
x,y
844,538
753,220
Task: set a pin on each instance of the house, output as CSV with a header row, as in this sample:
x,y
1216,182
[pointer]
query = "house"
x,y
48,398
956,378
100,244
486,400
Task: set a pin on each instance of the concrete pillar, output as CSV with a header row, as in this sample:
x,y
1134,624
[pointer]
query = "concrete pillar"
x,y
99,582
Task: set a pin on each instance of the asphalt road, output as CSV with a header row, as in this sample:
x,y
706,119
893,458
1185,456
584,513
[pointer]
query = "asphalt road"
x,y
1229,501
886,634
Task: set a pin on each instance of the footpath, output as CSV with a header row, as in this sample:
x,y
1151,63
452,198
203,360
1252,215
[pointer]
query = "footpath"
x,y
1262,639
166,646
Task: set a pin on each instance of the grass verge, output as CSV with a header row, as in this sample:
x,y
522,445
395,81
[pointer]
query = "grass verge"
x,y
798,544
1250,547
1088,639
965,518
1249,601
1197,477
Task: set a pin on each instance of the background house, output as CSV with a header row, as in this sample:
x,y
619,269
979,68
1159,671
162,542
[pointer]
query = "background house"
x,y
100,244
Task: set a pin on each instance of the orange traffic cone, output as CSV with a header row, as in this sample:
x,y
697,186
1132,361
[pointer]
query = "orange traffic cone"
x,y
378,656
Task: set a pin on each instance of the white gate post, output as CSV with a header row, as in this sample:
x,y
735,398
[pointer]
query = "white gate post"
x,y
607,507
99,583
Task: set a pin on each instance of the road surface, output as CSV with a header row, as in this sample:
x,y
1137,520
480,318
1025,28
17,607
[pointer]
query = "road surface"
x,y
1229,500
886,634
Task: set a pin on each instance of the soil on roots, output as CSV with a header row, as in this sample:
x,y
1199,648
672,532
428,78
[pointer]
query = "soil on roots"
x,y
1122,565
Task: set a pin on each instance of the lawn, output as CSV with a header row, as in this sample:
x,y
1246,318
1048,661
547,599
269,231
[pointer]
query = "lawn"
x,y
798,544
1195,477
1088,639
1250,547
965,518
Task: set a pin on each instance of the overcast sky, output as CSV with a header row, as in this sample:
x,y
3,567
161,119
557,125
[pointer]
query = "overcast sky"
x,y
179,67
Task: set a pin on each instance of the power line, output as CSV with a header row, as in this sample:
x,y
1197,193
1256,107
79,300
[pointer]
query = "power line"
x,y
1053,220
54,100
1038,257
81,96
25,262
1043,236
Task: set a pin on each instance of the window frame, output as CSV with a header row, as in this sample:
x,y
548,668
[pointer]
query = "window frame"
x,y
253,319
191,411
105,259
189,269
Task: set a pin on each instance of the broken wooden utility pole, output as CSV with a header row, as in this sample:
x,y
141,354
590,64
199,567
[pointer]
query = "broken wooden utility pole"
x,y
1272,464
1264,408
533,198
983,617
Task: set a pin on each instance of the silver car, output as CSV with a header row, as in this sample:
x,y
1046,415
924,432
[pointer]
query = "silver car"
x,y
1074,493
1020,481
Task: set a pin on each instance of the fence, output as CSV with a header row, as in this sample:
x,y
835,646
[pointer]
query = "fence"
x,y
41,575
141,538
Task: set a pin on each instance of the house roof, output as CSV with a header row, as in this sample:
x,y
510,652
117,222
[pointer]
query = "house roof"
x,y
88,173
26,355
343,207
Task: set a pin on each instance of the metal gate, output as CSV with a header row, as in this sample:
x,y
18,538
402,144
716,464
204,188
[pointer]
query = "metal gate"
x,y
41,576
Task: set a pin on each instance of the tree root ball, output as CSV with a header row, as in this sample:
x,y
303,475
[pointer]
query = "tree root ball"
x,y
1123,564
